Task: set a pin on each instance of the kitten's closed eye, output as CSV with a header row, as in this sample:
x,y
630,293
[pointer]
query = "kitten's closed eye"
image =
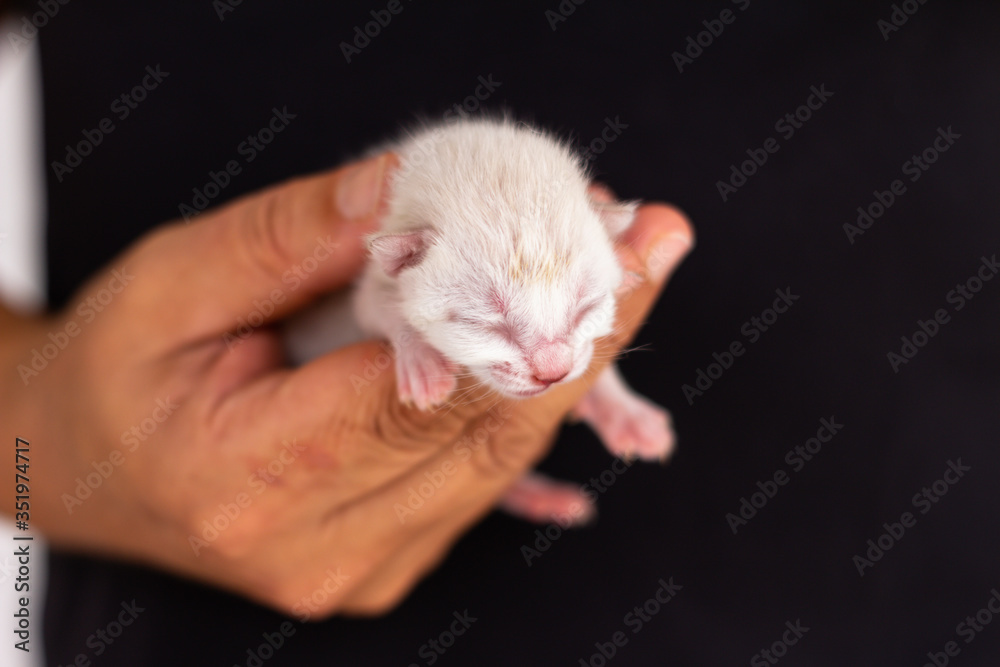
x,y
505,331
500,328
587,309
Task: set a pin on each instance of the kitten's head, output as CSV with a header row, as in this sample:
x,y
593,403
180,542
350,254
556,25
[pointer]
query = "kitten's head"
x,y
519,303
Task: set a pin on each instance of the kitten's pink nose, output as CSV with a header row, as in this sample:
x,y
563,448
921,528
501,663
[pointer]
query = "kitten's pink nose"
x,y
551,362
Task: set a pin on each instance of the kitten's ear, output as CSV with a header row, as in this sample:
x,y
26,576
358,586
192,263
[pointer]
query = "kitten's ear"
x,y
617,216
395,252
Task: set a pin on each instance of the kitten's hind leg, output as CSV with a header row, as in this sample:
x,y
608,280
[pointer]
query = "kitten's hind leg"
x,y
541,499
630,425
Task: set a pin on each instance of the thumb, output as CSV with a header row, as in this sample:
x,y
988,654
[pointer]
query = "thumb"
x,y
259,258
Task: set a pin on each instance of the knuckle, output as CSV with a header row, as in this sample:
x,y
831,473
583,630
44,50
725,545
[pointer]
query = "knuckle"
x,y
392,592
287,598
308,603
405,428
320,594
231,534
265,239
508,450
378,603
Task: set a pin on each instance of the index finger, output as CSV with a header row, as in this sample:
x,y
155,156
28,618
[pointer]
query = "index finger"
x,y
268,253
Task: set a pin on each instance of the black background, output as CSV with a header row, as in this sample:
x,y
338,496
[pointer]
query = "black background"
x,y
782,229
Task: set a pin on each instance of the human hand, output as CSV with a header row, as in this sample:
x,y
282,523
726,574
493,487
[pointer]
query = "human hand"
x,y
210,458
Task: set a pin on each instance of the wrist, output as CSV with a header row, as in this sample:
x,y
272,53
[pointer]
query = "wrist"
x,y
25,412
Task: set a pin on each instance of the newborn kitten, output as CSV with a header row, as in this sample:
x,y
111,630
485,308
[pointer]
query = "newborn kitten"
x,y
493,260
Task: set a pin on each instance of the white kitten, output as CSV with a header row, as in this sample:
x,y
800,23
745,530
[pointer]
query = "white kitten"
x,y
492,258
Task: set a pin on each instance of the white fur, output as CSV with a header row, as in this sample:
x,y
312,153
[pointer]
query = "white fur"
x,y
504,209
493,258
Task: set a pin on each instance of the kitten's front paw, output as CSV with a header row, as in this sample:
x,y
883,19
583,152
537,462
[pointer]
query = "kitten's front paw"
x,y
425,378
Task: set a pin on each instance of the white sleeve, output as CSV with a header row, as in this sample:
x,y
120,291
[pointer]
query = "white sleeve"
x,y
22,287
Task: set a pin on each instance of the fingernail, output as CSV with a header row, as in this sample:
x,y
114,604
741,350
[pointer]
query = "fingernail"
x,y
360,189
665,253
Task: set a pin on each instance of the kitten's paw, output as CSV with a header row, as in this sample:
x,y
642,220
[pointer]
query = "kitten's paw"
x,y
425,378
629,425
541,499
